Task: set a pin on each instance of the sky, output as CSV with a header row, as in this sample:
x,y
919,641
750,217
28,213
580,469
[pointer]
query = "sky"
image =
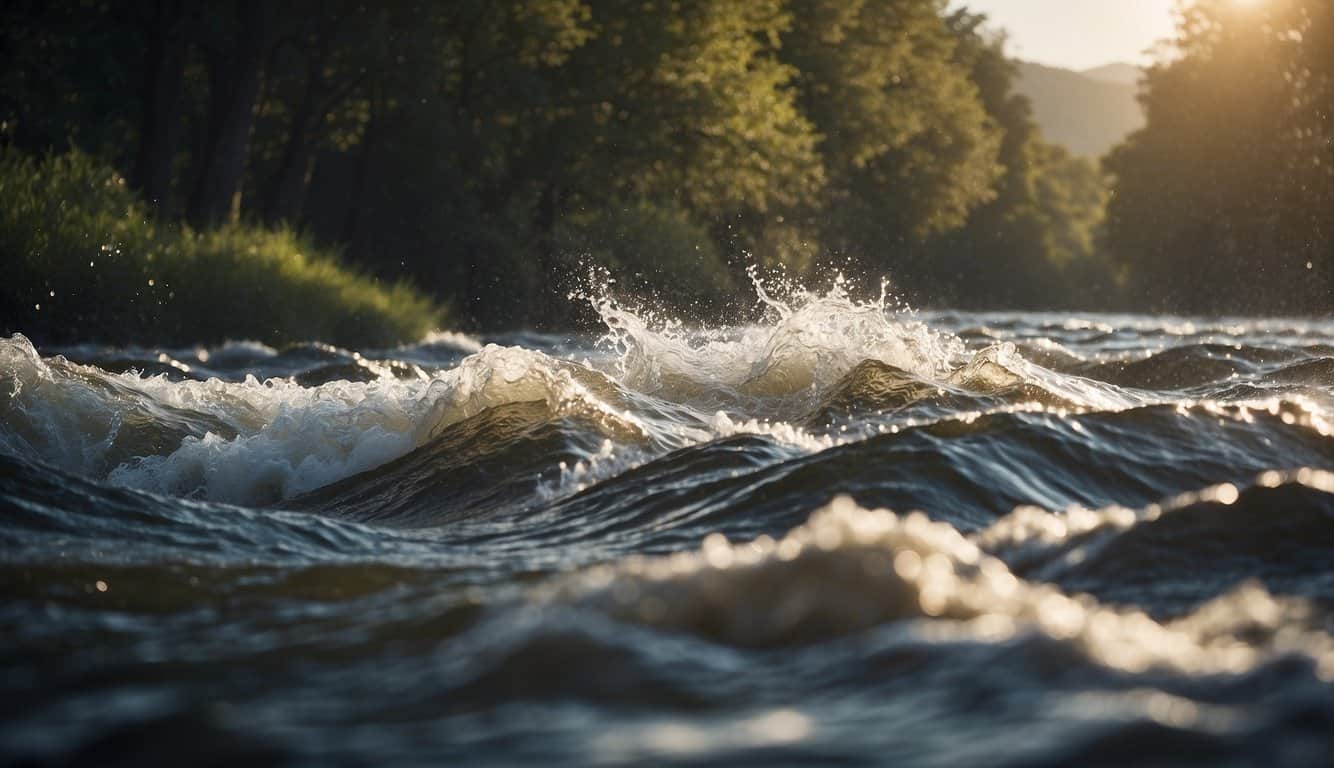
x,y
1079,34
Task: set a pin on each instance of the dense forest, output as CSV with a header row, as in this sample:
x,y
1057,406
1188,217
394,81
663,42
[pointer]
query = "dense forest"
x,y
493,151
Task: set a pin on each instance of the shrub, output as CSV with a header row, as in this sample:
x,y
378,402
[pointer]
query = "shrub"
x,y
83,261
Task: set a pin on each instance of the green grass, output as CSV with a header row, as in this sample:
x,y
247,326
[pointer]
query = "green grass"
x,y
80,260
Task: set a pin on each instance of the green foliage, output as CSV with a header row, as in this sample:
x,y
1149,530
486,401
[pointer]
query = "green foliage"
x,y
84,262
908,146
1035,243
1071,198
1222,203
489,150
688,103
652,250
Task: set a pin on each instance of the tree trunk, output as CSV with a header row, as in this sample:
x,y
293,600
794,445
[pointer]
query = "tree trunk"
x,y
162,93
352,232
548,213
235,74
287,192
288,198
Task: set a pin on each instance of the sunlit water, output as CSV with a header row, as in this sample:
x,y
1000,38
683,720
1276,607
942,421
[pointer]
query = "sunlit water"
x,y
840,535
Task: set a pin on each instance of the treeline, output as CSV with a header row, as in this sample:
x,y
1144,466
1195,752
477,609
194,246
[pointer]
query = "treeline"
x,y
1224,203
491,150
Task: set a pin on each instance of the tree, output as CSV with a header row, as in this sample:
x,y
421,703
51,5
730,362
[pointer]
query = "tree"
x,y
908,146
1034,243
165,24
432,161
65,76
235,38
1222,201
685,106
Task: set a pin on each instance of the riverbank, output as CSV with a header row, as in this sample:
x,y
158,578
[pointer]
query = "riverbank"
x,y
84,260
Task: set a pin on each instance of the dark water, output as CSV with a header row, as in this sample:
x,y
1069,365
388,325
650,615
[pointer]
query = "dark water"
x,y
674,546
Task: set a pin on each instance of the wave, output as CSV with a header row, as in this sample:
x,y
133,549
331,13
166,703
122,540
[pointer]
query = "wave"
x,y
849,569
1203,365
1277,531
57,523
497,460
257,442
819,371
966,470
1122,549
994,376
807,342
323,414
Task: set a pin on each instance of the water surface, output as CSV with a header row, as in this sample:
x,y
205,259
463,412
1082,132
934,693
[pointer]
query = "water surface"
x,y
841,535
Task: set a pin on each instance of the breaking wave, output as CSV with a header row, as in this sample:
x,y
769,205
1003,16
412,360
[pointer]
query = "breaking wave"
x,y
670,542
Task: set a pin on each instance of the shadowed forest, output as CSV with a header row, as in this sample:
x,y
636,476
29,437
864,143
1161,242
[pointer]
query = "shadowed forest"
x,y
468,162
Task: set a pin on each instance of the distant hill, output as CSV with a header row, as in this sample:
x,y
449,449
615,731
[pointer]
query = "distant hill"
x,y
1119,72
1089,112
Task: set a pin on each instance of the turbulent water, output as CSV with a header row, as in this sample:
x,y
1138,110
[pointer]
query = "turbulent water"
x,y
843,534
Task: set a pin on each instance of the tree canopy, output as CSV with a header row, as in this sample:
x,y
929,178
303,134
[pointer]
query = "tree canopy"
x,y
1223,201
492,150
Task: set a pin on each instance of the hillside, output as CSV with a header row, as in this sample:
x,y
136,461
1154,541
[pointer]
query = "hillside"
x,y
1118,72
1087,114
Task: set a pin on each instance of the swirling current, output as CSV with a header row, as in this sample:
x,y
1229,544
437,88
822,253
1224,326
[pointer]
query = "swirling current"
x,y
844,534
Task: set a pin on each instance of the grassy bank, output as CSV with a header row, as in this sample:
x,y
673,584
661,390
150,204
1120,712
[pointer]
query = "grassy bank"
x,y
81,260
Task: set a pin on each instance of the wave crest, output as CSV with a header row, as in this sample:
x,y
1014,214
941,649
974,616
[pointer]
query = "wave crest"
x,y
257,442
807,342
848,569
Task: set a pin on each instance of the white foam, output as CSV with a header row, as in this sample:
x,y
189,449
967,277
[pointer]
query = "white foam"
x,y
257,441
449,339
289,439
1030,532
781,431
805,346
848,569
233,351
